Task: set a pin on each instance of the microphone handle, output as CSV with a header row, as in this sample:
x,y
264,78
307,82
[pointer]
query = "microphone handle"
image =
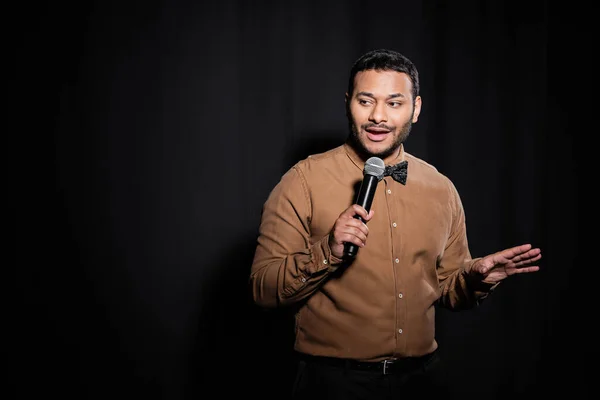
x,y
365,199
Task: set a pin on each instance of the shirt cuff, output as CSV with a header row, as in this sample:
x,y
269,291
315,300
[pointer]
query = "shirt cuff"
x,y
324,258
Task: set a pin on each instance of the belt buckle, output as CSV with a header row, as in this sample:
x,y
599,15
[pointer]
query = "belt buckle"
x,y
385,366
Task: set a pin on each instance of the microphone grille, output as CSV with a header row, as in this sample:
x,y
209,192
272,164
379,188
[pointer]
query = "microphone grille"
x,y
374,166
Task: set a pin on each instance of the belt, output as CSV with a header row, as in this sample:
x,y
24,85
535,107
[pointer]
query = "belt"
x,y
385,367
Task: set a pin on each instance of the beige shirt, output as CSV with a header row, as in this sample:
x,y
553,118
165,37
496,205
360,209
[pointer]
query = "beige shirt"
x,y
382,305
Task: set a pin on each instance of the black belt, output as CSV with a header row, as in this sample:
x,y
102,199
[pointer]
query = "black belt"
x,y
385,367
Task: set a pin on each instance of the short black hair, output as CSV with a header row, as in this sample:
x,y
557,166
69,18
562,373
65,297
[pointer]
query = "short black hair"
x,y
385,60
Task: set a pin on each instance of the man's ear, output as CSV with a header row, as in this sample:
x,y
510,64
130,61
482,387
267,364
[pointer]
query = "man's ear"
x,y
417,110
347,104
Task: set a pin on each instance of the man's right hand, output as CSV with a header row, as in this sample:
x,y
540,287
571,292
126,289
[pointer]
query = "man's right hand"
x,y
349,229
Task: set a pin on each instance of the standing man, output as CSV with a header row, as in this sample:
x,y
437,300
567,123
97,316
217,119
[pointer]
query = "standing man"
x,y
365,325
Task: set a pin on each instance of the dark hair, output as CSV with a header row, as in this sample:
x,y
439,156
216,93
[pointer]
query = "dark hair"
x,y
385,60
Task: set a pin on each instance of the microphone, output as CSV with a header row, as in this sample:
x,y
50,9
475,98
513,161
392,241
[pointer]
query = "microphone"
x,y
373,173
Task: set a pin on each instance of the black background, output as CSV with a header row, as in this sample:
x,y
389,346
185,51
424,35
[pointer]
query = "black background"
x,y
143,138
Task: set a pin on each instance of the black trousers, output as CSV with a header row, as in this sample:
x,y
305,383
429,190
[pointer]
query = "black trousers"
x,y
317,380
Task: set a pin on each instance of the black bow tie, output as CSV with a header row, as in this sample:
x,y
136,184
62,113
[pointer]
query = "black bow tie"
x,y
398,171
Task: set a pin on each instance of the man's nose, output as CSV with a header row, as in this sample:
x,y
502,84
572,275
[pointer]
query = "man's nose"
x,y
378,113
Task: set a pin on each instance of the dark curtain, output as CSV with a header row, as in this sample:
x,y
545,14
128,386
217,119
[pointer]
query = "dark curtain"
x,y
147,136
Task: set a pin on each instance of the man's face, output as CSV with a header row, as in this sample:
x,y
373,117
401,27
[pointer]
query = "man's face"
x,y
382,112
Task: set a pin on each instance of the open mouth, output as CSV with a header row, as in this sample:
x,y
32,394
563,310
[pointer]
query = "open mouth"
x,y
377,134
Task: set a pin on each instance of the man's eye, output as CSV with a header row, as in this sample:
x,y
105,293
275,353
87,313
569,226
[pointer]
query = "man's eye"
x,y
363,102
394,104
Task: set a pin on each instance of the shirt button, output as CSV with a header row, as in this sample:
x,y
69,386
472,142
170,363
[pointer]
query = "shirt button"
x,y
397,261
389,191
324,261
303,279
399,330
394,224
400,295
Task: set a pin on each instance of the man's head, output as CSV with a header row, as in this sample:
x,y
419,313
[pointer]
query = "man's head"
x,y
382,102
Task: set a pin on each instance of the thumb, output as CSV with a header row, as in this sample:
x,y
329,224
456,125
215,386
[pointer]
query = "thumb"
x,y
482,266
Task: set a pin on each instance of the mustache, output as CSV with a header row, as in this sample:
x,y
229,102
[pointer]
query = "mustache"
x,y
379,126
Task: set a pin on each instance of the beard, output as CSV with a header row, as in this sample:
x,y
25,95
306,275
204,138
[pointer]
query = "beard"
x,y
400,138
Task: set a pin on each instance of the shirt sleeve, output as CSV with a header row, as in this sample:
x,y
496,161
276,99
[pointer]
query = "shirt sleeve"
x,y
287,267
459,287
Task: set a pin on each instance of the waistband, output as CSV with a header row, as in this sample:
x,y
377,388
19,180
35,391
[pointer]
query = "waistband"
x,y
385,367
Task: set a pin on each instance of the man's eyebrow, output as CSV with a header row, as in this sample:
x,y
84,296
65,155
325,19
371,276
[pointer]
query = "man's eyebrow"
x,y
365,94
391,96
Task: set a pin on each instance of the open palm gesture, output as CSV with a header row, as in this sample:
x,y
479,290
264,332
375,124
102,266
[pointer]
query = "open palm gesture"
x,y
502,264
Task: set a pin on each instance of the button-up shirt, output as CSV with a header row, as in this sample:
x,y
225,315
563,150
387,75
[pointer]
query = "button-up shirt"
x,y
382,304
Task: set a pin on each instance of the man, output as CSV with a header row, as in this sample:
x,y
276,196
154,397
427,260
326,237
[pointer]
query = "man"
x,y
365,324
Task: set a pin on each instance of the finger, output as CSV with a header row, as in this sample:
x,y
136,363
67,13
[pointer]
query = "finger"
x,y
515,251
533,253
350,238
524,270
350,211
488,268
369,216
484,265
358,232
355,223
358,210
527,261
350,227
